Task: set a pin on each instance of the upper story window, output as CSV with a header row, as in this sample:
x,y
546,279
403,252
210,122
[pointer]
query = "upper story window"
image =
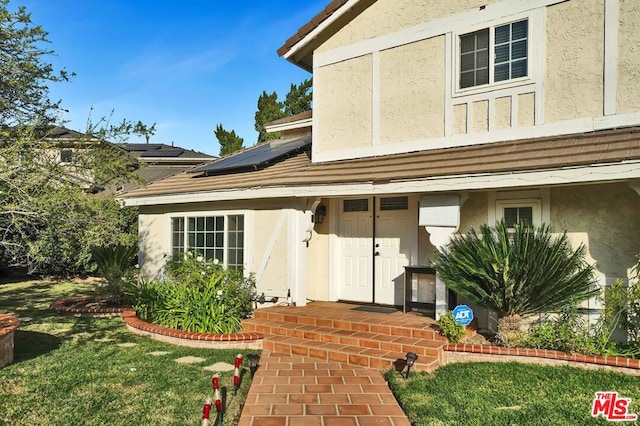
x,y
66,156
494,54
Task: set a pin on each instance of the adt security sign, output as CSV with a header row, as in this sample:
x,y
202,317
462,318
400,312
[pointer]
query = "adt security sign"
x,y
463,314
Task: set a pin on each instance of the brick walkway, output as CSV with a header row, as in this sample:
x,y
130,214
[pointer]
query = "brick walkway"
x,y
294,390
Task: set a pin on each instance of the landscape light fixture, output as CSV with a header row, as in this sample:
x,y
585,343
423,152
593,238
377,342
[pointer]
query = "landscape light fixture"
x,y
410,359
253,363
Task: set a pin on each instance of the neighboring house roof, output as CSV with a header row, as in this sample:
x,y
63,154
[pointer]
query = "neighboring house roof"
x,y
291,118
147,152
593,148
319,28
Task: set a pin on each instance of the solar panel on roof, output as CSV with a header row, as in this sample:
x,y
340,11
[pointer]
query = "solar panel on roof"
x,y
168,153
142,146
254,157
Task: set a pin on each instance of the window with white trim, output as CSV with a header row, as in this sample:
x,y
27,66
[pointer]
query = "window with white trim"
x,y
519,211
218,237
494,54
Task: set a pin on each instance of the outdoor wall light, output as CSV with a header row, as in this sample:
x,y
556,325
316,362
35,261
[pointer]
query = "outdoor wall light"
x,y
410,359
321,212
253,358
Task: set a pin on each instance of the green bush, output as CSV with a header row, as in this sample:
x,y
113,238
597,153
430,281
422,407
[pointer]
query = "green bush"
x,y
115,265
450,329
566,332
516,271
197,295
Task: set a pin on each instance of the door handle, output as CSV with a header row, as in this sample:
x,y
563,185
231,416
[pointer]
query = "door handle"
x,y
377,245
377,253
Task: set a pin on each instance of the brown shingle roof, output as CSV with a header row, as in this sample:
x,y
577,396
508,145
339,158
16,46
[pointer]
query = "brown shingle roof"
x,y
599,147
311,25
302,116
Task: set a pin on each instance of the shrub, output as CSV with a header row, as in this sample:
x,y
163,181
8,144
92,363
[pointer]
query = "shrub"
x,y
115,266
450,329
566,332
510,331
522,272
197,295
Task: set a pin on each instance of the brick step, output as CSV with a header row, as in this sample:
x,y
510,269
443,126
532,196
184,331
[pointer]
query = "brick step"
x,y
353,322
363,339
353,355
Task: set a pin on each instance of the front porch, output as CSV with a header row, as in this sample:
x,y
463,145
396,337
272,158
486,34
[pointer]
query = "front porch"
x,y
360,335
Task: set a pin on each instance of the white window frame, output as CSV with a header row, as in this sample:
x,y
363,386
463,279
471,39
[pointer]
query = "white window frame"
x,y
248,220
532,38
535,204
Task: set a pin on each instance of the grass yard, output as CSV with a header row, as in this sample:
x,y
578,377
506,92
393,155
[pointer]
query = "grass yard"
x,y
64,373
493,394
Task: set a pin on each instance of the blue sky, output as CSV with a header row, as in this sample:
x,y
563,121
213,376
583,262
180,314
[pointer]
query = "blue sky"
x,y
185,65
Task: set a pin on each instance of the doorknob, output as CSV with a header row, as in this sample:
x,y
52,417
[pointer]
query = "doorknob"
x,y
377,253
377,245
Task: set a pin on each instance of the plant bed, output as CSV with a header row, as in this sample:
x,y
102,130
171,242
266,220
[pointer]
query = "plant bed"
x,y
241,340
8,326
87,306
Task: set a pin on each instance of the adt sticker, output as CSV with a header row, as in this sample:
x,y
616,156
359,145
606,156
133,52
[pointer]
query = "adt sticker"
x,y
463,315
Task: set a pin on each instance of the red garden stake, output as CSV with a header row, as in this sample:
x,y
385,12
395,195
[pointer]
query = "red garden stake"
x,y
236,374
216,392
206,411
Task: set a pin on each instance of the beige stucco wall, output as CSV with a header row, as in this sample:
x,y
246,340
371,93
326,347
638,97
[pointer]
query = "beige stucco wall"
x,y
318,261
273,281
502,115
480,117
387,16
152,229
575,48
629,56
342,98
412,91
526,109
475,211
459,119
603,217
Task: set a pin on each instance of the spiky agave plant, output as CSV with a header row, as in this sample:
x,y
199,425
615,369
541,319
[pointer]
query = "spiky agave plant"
x,y
521,271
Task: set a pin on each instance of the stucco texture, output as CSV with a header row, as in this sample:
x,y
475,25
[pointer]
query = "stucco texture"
x,y
629,56
575,49
342,107
412,91
388,16
605,219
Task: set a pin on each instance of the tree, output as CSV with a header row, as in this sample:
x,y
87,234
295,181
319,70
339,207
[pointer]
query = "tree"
x,y
142,129
48,218
229,141
269,109
24,72
299,98
522,272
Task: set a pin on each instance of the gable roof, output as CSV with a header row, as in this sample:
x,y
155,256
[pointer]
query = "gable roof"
x,y
552,153
323,25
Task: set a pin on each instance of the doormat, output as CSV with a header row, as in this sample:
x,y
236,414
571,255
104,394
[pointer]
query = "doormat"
x,y
376,309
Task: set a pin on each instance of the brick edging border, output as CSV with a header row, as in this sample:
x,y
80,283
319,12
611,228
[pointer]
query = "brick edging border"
x,y
131,319
611,361
62,306
14,323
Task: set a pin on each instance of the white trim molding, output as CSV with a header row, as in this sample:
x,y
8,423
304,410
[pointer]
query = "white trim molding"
x,y
292,125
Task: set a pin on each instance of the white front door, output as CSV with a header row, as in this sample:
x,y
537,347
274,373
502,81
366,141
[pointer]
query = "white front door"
x,y
395,229
356,245
372,268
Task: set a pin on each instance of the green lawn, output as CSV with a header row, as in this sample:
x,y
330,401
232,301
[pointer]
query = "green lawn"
x,y
63,375
493,394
